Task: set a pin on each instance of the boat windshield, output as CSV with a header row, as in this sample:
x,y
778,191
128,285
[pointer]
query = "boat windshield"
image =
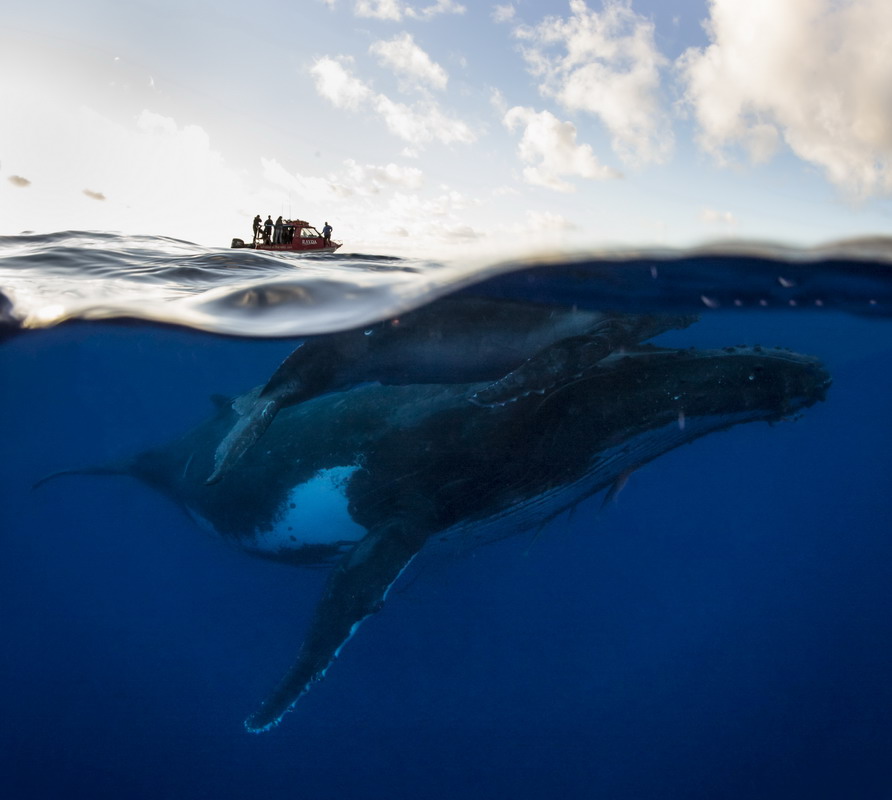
x,y
309,232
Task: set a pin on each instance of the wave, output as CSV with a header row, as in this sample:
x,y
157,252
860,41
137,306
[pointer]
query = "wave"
x,y
48,279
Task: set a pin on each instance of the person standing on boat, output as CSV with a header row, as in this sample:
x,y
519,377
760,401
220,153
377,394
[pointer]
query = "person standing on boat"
x,y
326,234
277,239
258,221
268,230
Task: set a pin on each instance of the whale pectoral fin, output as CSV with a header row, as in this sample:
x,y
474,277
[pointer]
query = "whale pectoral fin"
x,y
545,369
617,486
244,435
356,589
244,403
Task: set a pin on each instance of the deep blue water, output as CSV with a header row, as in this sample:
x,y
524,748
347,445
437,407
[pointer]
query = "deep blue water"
x,y
724,629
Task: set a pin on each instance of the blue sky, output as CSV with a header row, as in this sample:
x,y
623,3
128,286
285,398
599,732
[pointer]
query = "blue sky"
x,y
444,127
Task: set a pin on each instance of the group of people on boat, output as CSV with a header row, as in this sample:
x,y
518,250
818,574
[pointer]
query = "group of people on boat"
x,y
281,231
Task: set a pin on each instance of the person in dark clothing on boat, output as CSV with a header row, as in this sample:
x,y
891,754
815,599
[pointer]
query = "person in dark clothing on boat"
x,y
258,221
326,234
277,238
268,230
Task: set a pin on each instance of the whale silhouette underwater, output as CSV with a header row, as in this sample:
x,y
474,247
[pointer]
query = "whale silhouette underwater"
x,y
362,477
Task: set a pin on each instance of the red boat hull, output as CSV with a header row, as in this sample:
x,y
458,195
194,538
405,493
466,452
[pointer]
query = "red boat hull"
x,y
295,236
308,246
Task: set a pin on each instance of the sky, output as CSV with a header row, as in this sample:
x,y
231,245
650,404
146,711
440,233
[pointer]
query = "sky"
x,y
440,128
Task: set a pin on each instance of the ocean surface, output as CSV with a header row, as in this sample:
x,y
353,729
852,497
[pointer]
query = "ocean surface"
x,y
720,627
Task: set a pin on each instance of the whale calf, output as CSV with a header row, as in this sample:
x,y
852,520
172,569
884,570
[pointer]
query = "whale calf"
x,y
361,480
519,347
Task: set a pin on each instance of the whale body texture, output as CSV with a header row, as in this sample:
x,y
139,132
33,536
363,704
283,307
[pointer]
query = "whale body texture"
x,y
518,347
362,479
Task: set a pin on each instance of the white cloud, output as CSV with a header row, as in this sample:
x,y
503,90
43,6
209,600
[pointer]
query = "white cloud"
x,y
550,146
815,74
146,173
503,13
713,217
436,220
337,85
372,179
535,231
379,9
463,233
607,64
498,102
418,124
353,180
409,61
440,7
310,190
379,206
421,123
395,10
548,222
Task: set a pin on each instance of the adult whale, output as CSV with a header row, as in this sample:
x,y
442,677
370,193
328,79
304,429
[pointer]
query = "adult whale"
x,y
363,479
519,347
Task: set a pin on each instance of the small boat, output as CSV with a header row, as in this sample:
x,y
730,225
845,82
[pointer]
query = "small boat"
x,y
298,236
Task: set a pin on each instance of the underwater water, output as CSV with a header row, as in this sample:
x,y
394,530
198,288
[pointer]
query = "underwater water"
x,y
721,627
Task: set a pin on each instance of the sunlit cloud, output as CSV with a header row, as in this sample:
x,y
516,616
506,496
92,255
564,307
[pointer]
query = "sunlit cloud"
x,y
396,10
546,221
352,180
409,62
421,123
550,147
713,217
375,179
312,190
417,124
535,230
811,74
337,85
504,13
464,233
380,203
146,173
18,180
498,102
379,9
607,64
439,219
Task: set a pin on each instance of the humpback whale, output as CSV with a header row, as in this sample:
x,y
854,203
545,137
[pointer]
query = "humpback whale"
x,y
362,479
518,347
